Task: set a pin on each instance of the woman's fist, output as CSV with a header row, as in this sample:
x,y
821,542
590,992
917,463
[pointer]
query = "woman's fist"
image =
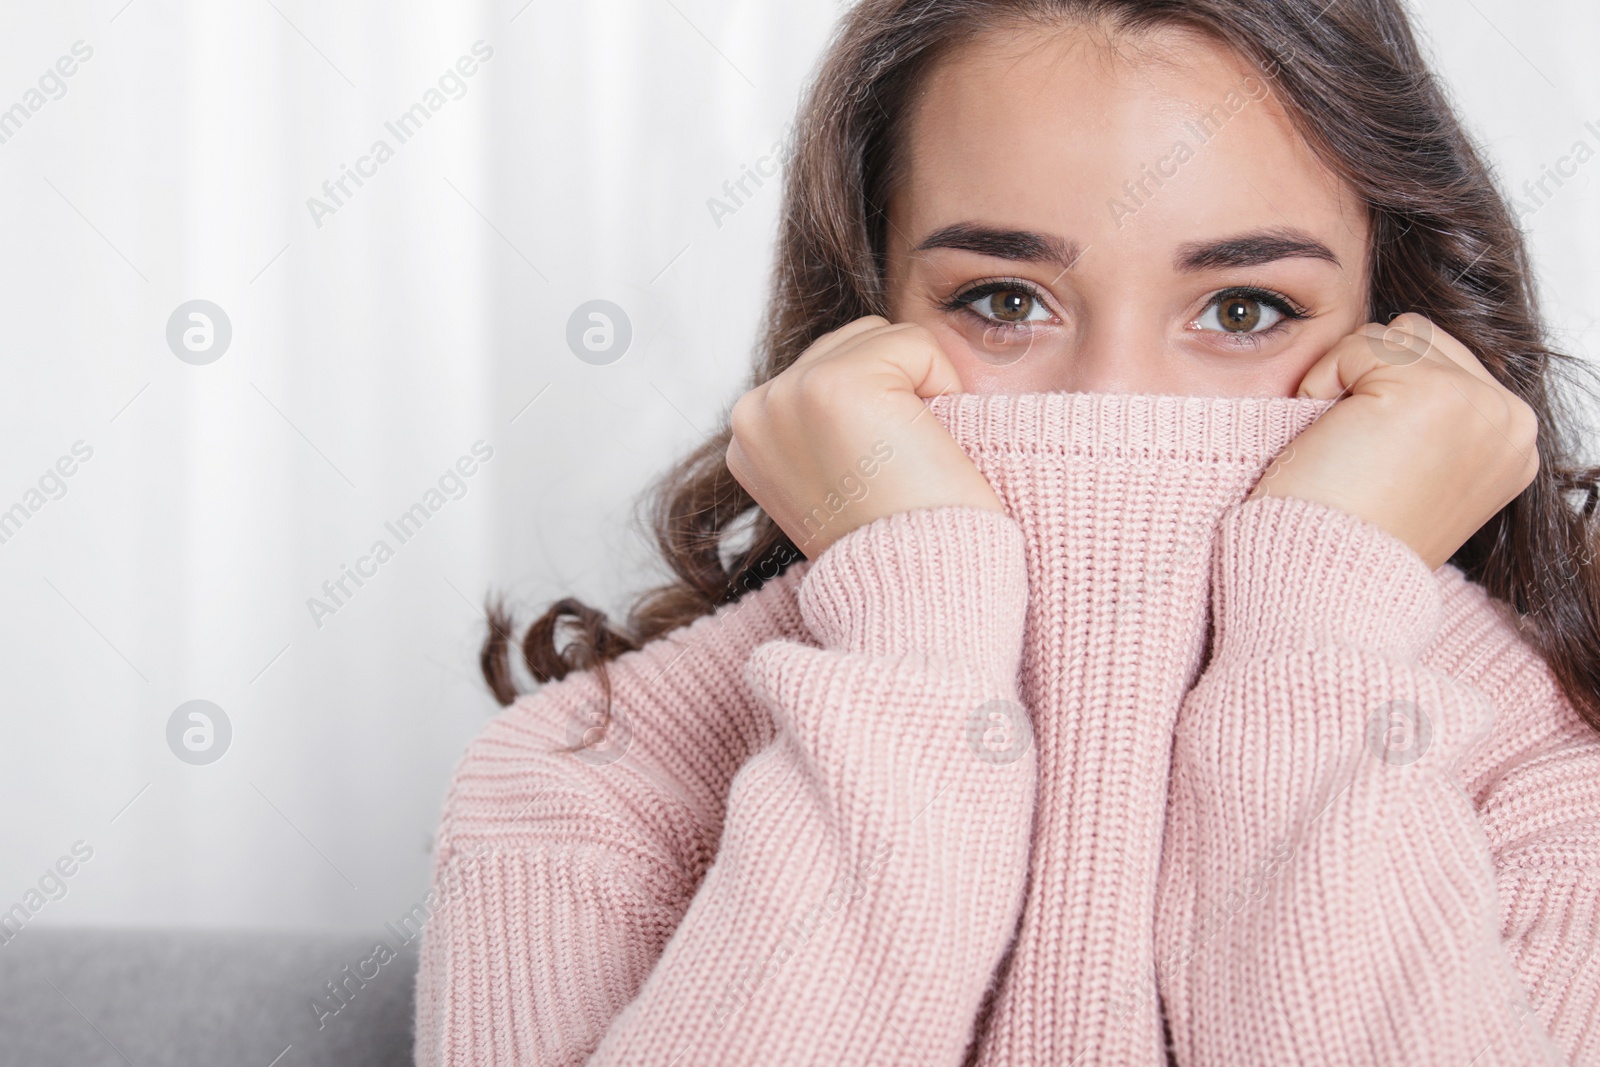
x,y
1424,442
842,436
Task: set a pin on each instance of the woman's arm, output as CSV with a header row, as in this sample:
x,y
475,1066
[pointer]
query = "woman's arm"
x,y
1328,893
558,876
871,863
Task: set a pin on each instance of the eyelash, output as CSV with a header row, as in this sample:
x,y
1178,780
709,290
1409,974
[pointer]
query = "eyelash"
x,y
964,300
1291,311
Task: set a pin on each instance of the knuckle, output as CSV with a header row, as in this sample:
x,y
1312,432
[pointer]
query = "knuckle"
x,y
1525,422
857,325
743,415
741,475
1526,434
915,333
1512,415
914,329
1414,323
738,464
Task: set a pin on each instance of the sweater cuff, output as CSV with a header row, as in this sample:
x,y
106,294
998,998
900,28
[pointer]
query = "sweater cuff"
x,y
941,583
1294,574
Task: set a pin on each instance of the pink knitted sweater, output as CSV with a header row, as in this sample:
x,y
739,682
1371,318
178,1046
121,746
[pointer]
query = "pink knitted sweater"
x,y
1031,787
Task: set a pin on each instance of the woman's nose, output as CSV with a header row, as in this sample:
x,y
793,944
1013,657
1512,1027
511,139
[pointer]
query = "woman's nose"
x,y
1115,359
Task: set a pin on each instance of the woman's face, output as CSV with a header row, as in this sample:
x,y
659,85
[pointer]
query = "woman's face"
x,y
1143,222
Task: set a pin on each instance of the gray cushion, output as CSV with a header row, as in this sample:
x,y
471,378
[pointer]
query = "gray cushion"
x,y
153,998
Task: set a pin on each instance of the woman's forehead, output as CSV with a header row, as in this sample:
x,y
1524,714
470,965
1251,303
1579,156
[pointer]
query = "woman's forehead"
x,y
1148,145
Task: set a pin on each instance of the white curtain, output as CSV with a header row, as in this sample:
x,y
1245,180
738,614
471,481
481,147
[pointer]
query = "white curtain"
x,y
399,371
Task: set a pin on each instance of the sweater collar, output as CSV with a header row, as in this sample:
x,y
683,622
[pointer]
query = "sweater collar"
x,y
1149,474
1232,432
1119,496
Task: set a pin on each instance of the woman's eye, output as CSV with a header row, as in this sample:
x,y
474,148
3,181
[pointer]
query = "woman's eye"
x,y
1239,313
1005,305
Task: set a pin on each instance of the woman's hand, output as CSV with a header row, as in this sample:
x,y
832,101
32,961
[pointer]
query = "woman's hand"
x,y
838,439
1426,445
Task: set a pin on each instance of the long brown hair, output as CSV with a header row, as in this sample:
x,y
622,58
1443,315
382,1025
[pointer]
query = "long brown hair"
x,y
1349,74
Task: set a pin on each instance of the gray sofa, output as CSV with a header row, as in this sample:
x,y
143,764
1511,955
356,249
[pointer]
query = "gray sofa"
x,y
186,998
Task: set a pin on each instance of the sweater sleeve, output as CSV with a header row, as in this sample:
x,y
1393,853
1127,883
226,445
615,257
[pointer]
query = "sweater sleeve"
x,y
872,865
1328,892
872,852
565,856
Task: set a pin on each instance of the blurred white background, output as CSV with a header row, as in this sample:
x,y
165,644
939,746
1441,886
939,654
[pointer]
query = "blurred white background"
x,y
374,342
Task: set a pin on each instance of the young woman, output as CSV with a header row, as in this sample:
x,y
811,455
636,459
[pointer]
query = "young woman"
x,y
1143,609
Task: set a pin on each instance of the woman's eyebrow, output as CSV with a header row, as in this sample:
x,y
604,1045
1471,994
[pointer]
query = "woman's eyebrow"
x,y
1252,249
1024,246
1028,246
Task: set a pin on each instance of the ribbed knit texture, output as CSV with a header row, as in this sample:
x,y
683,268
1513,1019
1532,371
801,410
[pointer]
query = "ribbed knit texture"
x,y
1016,788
